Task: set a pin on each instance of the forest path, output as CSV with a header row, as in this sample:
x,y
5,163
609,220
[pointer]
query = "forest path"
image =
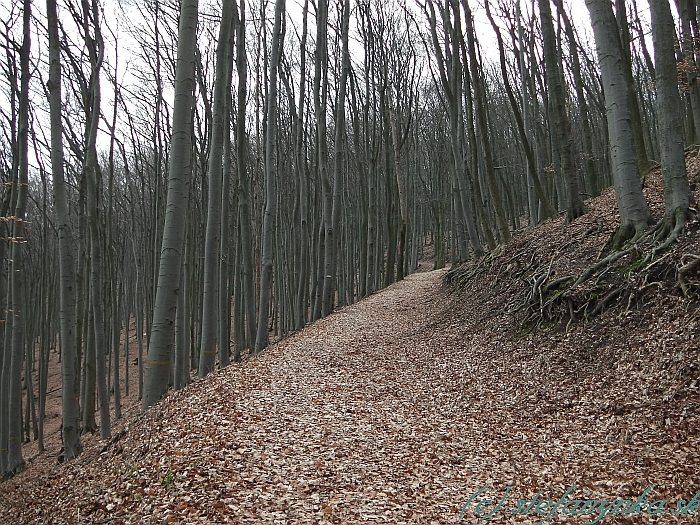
x,y
350,420
345,421
394,410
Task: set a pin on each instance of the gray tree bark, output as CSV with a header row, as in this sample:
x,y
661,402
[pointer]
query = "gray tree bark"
x,y
302,285
331,256
92,172
575,207
687,10
520,122
634,212
67,310
15,461
212,247
450,70
632,93
581,99
482,122
160,347
266,266
244,192
670,112
225,247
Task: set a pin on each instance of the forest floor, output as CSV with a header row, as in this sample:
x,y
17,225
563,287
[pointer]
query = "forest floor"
x,y
398,409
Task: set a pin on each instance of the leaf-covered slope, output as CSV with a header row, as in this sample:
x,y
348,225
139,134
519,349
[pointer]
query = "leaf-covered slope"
x,y
399,408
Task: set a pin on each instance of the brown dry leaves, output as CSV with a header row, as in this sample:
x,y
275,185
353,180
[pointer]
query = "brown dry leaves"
x,y
397,409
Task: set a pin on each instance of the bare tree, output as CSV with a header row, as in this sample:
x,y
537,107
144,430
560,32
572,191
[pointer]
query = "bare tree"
x,y
17,300
160,347
69,376
670,111
212,247
93,175
634,212
574,203
331,239
266,267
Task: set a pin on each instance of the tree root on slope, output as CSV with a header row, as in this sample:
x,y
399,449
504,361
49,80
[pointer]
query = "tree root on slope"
x,y
622,276
458,277
685,270
537,295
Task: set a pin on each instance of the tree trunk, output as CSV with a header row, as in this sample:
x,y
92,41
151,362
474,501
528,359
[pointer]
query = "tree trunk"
x,y
225,247
69,364
93,175
634,213
302,285
212,240
15,461
581,99
332,244
575,207
632,100
401,185
686,10
245,189
669,109
261,340
160,348
482,122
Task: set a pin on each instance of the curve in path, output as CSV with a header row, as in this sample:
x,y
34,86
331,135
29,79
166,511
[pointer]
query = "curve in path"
x,y
335,424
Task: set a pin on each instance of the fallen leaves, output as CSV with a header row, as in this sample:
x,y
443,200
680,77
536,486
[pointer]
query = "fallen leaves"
x,y
397,409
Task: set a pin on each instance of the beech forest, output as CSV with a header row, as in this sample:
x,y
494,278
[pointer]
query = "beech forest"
x,y
189,185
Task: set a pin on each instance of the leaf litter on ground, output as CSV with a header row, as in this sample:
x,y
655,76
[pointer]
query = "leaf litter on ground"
x,y
399,408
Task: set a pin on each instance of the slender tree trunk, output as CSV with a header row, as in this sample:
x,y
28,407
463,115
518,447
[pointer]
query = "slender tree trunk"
x,y
634,213
181,336
116,332
15,461
245,189
266,266
450,69
69,363
401,184
5,372
212,240
92,172
331,256
302,285
581,99
160,348
632,99
669,108
575,207
686,10
529,155
138,307
89,374
225,243
482,122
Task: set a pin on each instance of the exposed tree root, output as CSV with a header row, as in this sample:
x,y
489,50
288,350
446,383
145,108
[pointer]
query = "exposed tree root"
x,y
458,277
11,473
652,259
668,231
629,233
622,276
686,269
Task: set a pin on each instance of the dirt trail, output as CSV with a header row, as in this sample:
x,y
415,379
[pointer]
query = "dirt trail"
x,y
333,423
387,412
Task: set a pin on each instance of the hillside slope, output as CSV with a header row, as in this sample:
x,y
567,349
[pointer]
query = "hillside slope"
x,y
399,408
